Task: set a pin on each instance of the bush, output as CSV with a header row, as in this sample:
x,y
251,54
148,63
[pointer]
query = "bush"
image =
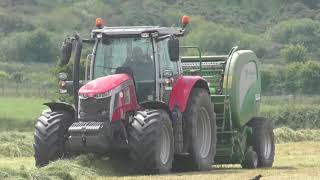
x,y
284,135
3,75
69,69
294,53
11,23
292,112
219,39
297,31
295,78
35,46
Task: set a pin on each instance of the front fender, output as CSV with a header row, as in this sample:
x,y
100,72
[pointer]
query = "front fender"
x,y
60,106
156,105
182,88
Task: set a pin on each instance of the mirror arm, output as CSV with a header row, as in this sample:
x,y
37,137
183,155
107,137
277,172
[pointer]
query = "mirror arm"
x,y
89,41
89,58
163,37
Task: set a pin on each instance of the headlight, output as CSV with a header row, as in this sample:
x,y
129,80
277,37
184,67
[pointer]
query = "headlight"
x,y
83,96
97,96
103,95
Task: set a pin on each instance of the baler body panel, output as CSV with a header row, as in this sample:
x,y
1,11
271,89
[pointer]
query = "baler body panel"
x,y
243,84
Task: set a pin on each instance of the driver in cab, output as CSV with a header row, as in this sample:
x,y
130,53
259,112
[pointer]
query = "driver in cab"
x,y
142,68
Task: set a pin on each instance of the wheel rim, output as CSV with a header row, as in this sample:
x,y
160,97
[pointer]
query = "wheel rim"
x,y
267,146
165,146
204,132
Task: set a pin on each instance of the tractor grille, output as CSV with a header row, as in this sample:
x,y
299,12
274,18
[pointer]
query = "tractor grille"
x,y
92,109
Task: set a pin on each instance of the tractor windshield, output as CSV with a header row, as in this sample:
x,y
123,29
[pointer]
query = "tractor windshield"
x,y
133,53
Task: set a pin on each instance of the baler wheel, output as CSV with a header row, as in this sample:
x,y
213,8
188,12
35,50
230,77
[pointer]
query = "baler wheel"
x,y
262,141
201,131
51,132
151,142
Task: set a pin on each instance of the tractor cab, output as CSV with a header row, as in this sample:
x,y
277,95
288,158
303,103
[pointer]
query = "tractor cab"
x,y
141,52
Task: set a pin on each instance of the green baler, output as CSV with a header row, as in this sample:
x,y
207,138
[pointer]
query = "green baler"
x,y
235,87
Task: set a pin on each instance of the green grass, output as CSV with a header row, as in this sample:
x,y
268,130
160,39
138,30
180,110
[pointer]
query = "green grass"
x,y
19,144
16,157
18,113
16,144
293,161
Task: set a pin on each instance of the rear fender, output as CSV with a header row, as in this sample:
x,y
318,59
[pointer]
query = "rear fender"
x,y
60,106
182,88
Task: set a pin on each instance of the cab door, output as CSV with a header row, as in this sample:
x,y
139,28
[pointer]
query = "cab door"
x,y
168,70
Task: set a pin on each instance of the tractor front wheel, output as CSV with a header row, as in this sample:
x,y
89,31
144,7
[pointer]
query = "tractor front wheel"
x,y
151,141
51,133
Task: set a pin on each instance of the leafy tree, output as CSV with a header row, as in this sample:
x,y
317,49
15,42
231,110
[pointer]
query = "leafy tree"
x,y
313,4
69,69
39,47
3,75
17,77
294,53
311,78
297,31
35,46
296,78
13,23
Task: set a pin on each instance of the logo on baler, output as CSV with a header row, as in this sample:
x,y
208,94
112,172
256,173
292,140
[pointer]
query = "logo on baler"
x,y
248,77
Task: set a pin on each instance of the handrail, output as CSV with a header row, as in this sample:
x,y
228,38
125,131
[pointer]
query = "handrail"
x,y
199,51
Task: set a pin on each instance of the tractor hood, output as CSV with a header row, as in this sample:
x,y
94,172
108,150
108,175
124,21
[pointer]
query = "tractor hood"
x,y
103,84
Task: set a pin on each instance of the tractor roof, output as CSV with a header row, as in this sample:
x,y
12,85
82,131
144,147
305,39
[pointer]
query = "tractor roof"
x,y
138,30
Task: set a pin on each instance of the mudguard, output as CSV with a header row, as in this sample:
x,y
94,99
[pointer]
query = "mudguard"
x,y
60,106
156,105
182,88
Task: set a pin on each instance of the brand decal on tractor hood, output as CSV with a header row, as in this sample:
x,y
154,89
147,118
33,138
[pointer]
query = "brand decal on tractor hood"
x,y
103,84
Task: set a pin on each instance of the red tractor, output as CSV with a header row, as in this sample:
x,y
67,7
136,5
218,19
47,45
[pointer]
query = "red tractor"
x,y
135,98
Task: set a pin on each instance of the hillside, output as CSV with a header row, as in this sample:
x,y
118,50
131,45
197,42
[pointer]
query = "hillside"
x,y
280,32
265,26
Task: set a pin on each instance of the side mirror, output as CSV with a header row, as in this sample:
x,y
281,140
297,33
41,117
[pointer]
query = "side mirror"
x,y
174,51
66,50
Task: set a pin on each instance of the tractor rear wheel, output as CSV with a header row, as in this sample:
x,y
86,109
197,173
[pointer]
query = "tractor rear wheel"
x,y
51,133
201,133
262,141
151,141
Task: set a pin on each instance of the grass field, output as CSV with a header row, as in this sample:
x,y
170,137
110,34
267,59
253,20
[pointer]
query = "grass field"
x,y
293,161
19,113
297,151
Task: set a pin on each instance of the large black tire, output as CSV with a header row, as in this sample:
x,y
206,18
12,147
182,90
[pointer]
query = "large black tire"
x,y
262,141
200,131
51,133
151,142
